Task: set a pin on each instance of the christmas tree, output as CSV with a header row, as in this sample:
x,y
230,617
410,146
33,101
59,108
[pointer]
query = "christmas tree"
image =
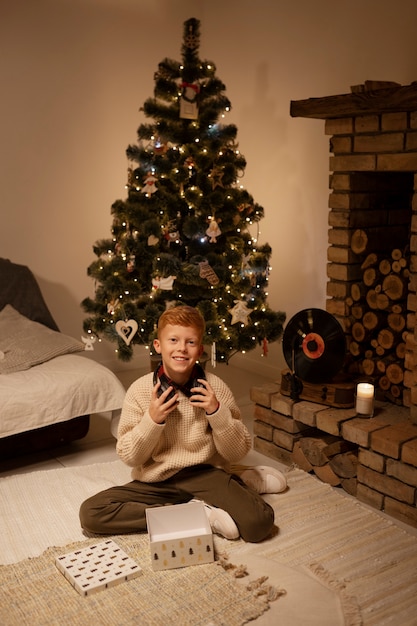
x,y
183,234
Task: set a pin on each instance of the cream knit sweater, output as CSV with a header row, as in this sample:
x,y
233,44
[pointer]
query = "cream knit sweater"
x,y
188,437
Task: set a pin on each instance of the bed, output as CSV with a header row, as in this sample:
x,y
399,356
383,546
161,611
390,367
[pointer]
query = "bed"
x,y
49,386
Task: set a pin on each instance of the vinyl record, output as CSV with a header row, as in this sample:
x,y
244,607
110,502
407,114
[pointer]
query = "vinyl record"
x,y
314,345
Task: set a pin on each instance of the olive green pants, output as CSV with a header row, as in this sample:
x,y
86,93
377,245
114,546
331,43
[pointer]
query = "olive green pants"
x,y
120,510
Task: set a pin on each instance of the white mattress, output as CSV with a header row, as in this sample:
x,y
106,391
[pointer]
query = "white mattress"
x,y
65,387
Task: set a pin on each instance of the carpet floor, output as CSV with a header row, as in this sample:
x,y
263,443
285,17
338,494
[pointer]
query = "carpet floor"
x,y
333,562
34,592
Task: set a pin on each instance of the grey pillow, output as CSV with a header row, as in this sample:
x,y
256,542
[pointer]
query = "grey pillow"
x,y
24,343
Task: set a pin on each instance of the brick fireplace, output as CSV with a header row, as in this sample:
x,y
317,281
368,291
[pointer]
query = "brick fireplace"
x,y
372,253
372,291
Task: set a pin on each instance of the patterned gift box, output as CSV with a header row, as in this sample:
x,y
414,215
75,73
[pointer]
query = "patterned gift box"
x,y
179,535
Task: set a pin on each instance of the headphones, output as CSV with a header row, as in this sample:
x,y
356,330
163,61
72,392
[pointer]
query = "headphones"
x,y
160,375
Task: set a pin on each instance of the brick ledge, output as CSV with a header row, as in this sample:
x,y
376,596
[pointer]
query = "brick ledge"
x,y
387,444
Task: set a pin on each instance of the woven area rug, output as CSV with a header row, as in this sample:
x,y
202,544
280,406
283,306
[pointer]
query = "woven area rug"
x,y
325,539
340,540
34,592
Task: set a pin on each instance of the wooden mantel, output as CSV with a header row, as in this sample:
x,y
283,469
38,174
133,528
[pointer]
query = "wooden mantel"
x,y
372,97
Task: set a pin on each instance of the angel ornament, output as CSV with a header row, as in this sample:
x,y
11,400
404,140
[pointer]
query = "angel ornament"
x,y
88,342
213,231
149,187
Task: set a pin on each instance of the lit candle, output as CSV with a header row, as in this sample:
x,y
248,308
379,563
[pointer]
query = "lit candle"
x,y
365,399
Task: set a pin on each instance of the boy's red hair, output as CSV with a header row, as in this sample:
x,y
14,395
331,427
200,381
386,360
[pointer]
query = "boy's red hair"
x,y
183,315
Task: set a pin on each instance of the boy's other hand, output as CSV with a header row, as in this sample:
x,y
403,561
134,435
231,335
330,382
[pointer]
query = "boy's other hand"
x,y
160,407
204,397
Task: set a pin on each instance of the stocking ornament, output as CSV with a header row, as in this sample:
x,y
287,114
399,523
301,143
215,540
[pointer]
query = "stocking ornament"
x,y
207,272
126,330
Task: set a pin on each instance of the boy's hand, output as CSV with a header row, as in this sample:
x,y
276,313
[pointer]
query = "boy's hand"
x,y
160,407
204,397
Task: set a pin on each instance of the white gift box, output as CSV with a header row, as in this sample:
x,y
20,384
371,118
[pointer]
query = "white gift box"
x,y
179,535
97,567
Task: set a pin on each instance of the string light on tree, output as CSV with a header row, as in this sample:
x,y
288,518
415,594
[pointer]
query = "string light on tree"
x,y
182,232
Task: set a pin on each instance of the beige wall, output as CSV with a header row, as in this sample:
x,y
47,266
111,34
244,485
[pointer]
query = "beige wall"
x,y
74,74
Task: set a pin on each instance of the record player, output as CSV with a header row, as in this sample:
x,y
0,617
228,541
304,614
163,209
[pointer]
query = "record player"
x,y
314,347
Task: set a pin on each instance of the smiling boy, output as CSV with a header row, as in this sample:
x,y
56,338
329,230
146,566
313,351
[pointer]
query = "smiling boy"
x,y
180,430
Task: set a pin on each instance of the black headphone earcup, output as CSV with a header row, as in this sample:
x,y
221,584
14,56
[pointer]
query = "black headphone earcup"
x,y
198,373
164,383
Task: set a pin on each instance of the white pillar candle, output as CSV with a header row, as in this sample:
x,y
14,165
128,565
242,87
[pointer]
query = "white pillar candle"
x,y
365,399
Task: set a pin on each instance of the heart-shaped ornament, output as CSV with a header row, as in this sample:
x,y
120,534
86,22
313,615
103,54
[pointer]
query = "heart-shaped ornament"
x,y
126,330
152,240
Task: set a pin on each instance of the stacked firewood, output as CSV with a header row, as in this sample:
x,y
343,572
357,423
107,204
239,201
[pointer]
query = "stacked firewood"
x,y
377,306
332,459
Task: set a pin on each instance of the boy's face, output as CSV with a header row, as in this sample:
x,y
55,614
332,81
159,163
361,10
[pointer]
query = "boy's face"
x,y
179,347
